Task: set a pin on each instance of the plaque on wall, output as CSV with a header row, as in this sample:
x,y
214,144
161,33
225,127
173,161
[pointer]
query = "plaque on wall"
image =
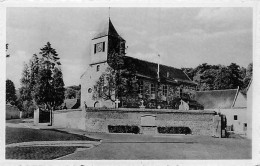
x,y
148,120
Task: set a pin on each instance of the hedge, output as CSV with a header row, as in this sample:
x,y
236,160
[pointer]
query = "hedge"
x,y
174,130
124,129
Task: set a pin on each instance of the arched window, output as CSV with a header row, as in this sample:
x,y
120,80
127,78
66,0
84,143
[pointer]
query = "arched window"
x,y
98,67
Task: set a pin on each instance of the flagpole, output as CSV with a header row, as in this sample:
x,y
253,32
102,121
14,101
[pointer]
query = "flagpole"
x,y
158,70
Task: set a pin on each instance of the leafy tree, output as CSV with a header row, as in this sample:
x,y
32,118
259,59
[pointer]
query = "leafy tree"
x,y
248,76
25,90
58,85
49,85
28,80
190,72
78,95
105,87
222,79
117,82
10,92
235,79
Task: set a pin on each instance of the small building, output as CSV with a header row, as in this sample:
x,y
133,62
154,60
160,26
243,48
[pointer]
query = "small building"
x,y
231,103
12,112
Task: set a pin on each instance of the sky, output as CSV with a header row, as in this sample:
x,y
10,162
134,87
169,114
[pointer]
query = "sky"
x,y
184,37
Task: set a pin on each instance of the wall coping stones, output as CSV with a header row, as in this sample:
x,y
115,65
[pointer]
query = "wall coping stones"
x,y
157,111
67,110
124,110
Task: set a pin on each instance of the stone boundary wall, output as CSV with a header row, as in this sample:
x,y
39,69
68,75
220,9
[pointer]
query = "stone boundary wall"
x,y
97,119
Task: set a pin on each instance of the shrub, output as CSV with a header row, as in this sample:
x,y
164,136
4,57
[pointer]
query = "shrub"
x,y
174,130
123,129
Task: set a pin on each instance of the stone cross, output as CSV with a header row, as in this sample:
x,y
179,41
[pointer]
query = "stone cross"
x,y
142,104
117,102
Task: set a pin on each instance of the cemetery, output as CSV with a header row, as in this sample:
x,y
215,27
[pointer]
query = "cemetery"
x,y
141,121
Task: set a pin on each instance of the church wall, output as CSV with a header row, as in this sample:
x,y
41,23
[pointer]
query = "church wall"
x,y
97,120
173,91
88,80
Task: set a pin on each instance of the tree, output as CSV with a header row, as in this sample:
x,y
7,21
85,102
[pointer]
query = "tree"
x,y
105,87
235,76
49,85
10,92
248,75
117,82
190,72
25,90
58,85
26,99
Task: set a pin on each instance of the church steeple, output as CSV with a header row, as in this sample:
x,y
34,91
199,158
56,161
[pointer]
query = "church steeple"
x,y
105,43
106,29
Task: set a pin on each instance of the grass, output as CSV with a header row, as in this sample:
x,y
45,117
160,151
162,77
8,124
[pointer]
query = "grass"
x,y
15,121
37,153
16,135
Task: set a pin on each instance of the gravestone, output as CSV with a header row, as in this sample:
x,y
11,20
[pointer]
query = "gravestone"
x,y
183,106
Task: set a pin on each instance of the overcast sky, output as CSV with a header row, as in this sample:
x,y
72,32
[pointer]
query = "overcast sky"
x,y
184,37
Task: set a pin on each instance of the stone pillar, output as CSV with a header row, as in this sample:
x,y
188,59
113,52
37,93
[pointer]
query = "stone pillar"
x,y
36,116
217,126
21,114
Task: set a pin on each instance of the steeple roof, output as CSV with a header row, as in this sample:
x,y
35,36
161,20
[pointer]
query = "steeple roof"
x,y
106,29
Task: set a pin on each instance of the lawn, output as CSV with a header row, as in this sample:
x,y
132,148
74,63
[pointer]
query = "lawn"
x,y
38,153
16,135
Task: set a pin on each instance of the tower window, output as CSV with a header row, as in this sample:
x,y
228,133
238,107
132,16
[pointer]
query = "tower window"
x,y
99,47
235,117
98,67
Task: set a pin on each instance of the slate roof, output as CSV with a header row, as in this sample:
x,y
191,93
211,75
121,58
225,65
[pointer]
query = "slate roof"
x,y
106,29
149,69
216,98
71,103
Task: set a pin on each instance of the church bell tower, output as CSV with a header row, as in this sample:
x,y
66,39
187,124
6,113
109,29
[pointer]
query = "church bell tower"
x,y
106,43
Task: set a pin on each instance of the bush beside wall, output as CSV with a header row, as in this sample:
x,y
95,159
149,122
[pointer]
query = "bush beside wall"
x,y
124,129
174,130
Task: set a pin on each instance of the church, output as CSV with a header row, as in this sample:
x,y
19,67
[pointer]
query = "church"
x,y
159,81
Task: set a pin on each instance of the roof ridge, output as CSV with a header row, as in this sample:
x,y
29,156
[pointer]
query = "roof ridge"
x,y
152,62
217,90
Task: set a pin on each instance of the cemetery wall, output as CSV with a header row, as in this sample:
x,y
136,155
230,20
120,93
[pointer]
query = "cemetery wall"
x,y
97,119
